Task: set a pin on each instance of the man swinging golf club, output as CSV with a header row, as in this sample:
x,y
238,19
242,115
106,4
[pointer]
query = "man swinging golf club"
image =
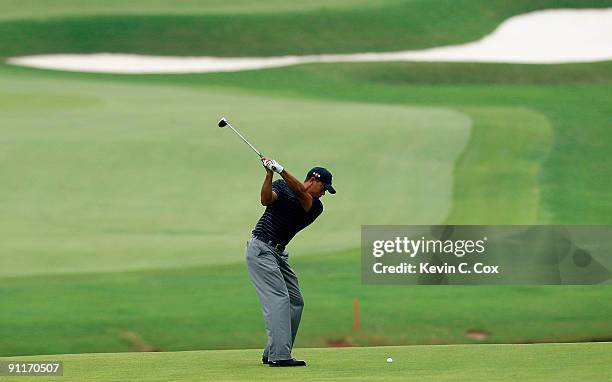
x,y
291,205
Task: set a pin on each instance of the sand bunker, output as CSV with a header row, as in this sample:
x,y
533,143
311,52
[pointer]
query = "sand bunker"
x,y
543,37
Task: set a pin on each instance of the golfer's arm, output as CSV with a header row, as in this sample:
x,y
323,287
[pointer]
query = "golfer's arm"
x,y
267,195
299,189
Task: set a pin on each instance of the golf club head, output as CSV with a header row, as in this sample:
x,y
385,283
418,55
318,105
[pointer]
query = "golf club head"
x,y
222,122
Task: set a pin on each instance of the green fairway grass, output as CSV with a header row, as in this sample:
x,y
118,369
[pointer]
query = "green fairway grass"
x,y
125,210
150,188
549,362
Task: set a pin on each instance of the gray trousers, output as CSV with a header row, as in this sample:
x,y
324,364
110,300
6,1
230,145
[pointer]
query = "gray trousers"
x,y
279,294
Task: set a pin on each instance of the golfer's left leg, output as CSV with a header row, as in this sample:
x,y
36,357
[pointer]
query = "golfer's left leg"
x,y
296,302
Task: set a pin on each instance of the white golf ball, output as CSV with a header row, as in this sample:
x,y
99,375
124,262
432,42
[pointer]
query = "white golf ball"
x,y
389,360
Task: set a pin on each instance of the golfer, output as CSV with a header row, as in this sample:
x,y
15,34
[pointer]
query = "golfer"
x,y
291,205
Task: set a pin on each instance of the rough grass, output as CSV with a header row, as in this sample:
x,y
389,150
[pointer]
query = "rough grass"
x,y
42,9
390,26
215,307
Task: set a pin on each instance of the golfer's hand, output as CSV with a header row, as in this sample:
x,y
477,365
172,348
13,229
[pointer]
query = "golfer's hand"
x,y
272,165
265,160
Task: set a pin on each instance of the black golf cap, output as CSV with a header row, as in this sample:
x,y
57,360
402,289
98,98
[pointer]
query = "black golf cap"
x,y
324,176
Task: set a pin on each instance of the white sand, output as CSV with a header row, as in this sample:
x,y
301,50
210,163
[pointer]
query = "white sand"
x,y
543,37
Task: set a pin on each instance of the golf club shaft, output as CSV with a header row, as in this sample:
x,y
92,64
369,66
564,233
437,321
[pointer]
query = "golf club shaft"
x,y
244,139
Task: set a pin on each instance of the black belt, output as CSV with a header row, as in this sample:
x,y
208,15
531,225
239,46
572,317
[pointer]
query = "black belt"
x,y
272,243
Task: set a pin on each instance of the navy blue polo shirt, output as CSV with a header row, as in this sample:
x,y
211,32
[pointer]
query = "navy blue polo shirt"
x,y
284,218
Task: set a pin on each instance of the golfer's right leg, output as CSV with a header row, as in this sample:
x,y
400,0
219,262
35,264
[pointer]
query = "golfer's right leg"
x,y
268,281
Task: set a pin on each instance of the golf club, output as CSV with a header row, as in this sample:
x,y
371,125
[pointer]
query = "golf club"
x,y
224,122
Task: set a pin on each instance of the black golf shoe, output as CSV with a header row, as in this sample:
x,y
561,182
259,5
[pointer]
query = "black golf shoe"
x,y
287,363
264,360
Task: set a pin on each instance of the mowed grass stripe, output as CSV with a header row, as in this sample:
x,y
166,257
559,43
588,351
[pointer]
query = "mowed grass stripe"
x,y
546,362
496,179
391,26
